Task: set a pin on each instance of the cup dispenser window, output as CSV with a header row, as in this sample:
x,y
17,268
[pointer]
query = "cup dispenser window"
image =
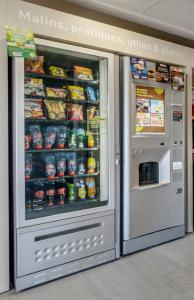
x,y
148,173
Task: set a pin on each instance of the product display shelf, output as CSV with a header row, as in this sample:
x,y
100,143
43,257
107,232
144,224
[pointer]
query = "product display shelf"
x,y
55,122
63,150
75,101
68,79
64,177
67,207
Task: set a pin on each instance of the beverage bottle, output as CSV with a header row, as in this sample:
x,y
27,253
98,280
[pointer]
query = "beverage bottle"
x,y
71,192
91,164
61,192
50,194
90,140
38,202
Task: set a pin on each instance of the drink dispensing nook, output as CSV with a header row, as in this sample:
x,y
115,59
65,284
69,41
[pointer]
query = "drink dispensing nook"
x,y
153,153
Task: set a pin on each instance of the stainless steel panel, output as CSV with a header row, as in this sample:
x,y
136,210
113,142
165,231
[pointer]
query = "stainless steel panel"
x,y
42,249
63,270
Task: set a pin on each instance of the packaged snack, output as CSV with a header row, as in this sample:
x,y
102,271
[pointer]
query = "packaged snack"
x,y
50,166
91,187
58,72
91,95
62,132
90,140
83,73
76,92
50,133
35,65
91,164
81,166
72,141
61,164
61,192
81,189
162,73
138,68
33,87
177,78
33,109
27,141
56,109
81,135
74,112
71,164
38,202
91,112
28,166
36,136
71,192
56,93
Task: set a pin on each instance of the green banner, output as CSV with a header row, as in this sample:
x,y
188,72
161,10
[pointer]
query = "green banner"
x,y
20,42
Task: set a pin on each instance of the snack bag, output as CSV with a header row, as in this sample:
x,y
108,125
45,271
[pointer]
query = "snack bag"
x,y
83,73
56,93
35,65
33,109
91,187
36,136
50,136
50,166
91,95
81,189
72,141
76,92
56,109
71,164
61,164
33,87
81,135
28,166
81,166
74,112
58,72
62,133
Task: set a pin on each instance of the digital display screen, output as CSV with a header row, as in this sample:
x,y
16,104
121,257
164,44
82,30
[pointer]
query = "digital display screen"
x,y
150,109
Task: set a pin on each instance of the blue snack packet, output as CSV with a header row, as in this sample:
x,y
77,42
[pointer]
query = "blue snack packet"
x,y
91,95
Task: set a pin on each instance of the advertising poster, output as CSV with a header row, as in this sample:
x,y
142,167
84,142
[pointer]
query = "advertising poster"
x,y
162,73
177,78
138,68
150,109
20,42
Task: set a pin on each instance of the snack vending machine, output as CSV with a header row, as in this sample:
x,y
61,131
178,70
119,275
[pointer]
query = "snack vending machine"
x,y
63,162
153,142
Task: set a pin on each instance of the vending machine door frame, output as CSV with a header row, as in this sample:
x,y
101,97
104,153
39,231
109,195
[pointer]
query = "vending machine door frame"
x,y
18,136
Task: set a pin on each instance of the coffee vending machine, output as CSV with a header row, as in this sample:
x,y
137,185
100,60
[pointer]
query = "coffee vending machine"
x,y
153,142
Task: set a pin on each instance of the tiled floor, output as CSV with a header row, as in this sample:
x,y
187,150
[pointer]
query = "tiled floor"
x,y
164,272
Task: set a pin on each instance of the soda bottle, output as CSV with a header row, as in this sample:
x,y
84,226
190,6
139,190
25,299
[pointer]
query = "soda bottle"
x,y
71,192
38,202
50,194
61,192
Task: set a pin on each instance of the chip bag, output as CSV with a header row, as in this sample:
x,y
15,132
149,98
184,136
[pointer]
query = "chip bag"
x,y
56,109
76,92
55,93
56,71
83,73
74,112
33,87
33,109
35,65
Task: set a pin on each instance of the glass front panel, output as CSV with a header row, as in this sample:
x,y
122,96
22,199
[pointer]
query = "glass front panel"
x,y
66,141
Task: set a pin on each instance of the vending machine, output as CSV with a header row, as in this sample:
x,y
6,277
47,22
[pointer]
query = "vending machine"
x,y
64,162
153,142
